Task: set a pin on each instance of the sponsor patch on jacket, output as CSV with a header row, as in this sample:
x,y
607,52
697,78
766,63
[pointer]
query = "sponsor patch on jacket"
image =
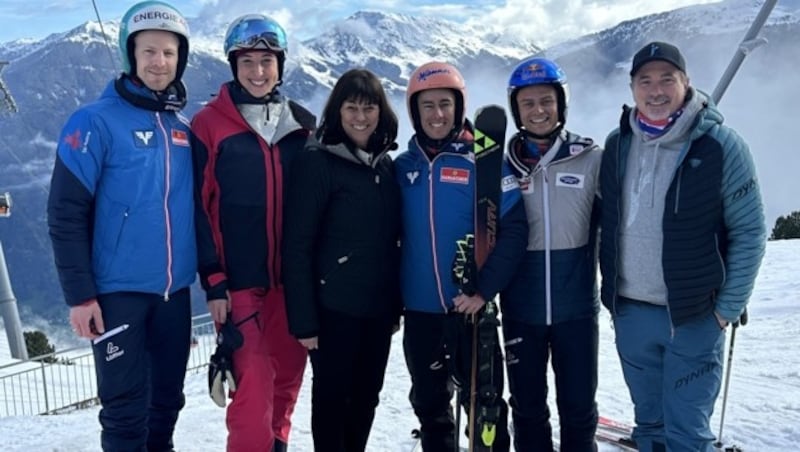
x,y
571,180
454,175
74,141
509,183
144,138
180,138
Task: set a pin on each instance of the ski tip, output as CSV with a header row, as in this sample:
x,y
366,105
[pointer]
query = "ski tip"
x,y
489,107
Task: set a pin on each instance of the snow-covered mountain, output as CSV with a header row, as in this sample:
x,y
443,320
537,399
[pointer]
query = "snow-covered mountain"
x,y
51,77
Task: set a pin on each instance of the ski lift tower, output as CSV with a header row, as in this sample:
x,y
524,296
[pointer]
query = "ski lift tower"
x,y
7,103
8,304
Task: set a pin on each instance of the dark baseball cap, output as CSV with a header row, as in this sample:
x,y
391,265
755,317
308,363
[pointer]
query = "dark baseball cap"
x,y
657,50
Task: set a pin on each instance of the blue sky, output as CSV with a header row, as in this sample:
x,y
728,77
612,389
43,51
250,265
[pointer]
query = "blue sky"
x,y
303,18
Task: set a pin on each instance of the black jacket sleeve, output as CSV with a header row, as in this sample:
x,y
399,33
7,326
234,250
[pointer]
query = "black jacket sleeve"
x,y
306,199
70,213
212,277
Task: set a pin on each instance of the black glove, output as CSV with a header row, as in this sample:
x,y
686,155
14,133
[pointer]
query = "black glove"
x,y
220,367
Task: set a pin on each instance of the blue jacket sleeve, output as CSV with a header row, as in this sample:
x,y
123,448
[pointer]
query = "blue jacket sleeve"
x,y
70,205
743,214
512,241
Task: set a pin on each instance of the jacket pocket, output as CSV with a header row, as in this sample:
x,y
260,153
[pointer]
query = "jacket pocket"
x,y
340,263
107,250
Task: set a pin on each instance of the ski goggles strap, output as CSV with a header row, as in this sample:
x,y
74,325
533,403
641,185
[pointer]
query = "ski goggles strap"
x,y
255,34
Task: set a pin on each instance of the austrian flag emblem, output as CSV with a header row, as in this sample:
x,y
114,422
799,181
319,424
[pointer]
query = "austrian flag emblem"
x,y
180,138
454,175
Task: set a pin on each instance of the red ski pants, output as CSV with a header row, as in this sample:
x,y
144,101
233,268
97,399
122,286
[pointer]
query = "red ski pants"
x,y
268,369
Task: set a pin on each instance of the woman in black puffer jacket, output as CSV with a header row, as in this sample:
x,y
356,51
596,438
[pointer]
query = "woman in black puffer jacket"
x,y
340,258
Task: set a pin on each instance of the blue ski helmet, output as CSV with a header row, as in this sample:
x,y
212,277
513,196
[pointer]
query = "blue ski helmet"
x,y
152,15
538,71
255,32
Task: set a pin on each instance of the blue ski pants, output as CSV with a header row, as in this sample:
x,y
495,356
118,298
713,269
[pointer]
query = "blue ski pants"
x,y
140,370
673,374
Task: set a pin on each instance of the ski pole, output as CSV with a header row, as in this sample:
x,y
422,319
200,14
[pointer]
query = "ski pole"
x,y
748,44
457,433
743,320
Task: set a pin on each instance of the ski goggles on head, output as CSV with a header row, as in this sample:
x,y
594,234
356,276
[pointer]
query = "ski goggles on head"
x,y
256,34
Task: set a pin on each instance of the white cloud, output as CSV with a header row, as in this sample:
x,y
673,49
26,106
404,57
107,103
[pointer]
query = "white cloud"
x,y
548,22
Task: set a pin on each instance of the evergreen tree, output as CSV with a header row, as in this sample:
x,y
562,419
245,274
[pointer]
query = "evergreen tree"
x,y
787,227
37,344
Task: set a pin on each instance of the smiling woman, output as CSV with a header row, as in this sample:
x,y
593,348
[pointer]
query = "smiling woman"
x,y
340,259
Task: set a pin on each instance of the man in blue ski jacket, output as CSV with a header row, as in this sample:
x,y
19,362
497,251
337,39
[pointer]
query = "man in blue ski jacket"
x,y
437,180
120,214
682,237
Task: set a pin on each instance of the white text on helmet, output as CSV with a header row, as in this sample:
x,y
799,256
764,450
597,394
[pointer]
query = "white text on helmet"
x,y
150,15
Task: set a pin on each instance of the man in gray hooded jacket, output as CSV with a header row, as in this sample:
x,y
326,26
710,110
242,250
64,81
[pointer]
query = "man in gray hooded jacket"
x,y
682,237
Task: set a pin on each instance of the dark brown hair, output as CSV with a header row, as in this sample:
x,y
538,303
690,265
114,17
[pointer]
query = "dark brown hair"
x,y
359,85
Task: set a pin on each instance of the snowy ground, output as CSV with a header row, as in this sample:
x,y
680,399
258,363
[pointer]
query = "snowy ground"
x,y
763,412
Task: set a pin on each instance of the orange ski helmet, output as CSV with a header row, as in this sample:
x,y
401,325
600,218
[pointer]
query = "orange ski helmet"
x,y
434,75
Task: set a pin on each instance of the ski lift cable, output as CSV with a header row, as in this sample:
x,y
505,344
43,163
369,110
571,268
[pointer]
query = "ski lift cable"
x,y
105,37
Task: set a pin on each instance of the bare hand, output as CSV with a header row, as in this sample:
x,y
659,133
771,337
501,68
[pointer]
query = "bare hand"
x,y
469,304
87,319
722,322
219,308
311,343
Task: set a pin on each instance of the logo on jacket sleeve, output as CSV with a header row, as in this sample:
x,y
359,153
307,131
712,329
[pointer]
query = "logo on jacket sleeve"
x,y
454,175
143,138
73,140
180,137
570,180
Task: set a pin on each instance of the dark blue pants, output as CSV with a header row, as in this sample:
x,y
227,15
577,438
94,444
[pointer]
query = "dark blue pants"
x,y
673,374
573,347
140,371
349,367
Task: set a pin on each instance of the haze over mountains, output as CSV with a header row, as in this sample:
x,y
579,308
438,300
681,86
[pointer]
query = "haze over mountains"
x,y
49,78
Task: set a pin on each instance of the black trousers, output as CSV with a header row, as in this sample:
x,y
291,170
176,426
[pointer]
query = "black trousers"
x,y
573,347
348,370
424,338
140,369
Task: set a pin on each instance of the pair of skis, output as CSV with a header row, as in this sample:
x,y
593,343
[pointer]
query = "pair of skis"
x,y
472,252
619,433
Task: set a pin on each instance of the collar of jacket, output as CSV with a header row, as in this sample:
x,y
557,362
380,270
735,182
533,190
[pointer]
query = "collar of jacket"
x,y
134,91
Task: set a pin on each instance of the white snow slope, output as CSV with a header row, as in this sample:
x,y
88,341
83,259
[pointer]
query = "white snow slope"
x,y
763,410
